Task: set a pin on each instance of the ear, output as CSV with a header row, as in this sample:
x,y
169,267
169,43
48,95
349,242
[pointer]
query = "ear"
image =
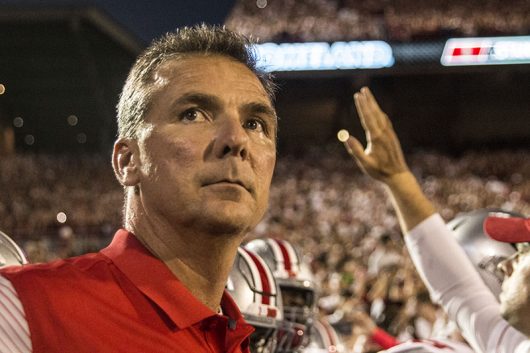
x,y
125,161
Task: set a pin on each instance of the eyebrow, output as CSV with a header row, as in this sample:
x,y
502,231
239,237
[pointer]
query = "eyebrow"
x,y
213,103
204,100
260,108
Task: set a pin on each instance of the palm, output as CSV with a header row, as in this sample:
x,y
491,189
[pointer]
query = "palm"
x,y
383,156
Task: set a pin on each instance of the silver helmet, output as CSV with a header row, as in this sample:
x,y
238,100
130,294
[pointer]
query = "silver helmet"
x,y
297,287
254,289
484,252
324,339
10,253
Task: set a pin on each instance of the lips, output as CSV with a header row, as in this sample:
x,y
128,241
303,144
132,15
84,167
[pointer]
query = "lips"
x,y
239,182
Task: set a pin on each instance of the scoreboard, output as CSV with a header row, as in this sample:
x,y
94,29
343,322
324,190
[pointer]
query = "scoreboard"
x,y
377,55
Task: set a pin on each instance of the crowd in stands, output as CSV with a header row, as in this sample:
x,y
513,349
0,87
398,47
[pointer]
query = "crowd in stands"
x,y
340,220
402,20
59,205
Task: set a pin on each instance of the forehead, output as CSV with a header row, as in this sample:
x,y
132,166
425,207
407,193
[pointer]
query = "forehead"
x,y
211,74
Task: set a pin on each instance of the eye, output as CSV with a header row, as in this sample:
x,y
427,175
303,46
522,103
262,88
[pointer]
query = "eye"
x,y
254,124
193,115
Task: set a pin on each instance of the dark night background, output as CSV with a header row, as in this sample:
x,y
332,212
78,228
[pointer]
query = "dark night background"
x,y
54,69
149,19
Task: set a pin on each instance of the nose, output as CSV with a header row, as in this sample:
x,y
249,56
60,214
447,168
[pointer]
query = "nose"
x,y
231,140
506,266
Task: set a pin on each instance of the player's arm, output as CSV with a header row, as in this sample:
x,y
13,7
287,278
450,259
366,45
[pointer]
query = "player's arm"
x,y
449,275
383,160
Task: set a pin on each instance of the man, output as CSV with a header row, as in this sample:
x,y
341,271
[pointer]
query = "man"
x,y
515,297
195,153
447,272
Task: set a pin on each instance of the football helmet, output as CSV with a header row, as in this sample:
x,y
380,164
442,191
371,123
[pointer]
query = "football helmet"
x,y
254,289
10,253
324,339
484,252
297,287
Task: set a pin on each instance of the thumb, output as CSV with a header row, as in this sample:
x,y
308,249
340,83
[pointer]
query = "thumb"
x,y
355,149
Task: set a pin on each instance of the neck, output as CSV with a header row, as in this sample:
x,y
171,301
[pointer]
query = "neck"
x,y
201,261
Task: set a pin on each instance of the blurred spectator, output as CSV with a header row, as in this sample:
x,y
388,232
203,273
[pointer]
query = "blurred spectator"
x,y
403,20
320,202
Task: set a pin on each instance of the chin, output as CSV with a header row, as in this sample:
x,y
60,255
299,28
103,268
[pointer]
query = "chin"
x,y
225,224
227,218
517,317
522,325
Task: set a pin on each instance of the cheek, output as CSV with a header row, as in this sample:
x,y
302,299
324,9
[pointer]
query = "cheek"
x,y
517,288
265,168
263,172
174,155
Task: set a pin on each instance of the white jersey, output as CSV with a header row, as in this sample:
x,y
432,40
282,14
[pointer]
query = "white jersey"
x,y
14,329
454,283
430,346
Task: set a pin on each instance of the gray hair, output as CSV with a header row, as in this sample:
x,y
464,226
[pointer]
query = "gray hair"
x,y
201,39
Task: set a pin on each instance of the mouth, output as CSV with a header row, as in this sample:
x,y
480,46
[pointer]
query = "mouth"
x,y
235,182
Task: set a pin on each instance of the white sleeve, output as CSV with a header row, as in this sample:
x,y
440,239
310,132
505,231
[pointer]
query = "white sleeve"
x,y
14,330
454,283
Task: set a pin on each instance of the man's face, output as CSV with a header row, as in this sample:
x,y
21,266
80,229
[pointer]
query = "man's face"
x,y
208,146
515,295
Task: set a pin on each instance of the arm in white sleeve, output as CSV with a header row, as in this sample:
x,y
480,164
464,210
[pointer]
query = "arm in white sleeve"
x,y
455,284
14,330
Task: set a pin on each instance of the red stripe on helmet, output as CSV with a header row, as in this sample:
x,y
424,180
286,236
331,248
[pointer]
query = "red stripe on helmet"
x,y
265,298
286,258
330,333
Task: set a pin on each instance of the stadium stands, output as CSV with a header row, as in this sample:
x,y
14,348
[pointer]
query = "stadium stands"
x,y
404,20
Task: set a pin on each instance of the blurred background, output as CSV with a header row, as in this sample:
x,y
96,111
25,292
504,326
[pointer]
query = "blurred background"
x,y
464,125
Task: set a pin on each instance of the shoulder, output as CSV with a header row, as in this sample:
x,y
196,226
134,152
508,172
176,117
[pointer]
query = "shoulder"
x,y
69,285
84,266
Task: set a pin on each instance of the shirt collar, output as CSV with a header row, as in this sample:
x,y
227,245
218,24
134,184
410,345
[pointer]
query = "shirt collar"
x,y
154,279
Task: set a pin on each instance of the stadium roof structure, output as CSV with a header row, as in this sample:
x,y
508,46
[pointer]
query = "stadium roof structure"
x,y
62,70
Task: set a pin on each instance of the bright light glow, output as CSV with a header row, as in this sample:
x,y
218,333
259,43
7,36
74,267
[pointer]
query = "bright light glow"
x,y
18,122
81,137
343,135
72,120
61,217
324,56
29,139
2,89
486,51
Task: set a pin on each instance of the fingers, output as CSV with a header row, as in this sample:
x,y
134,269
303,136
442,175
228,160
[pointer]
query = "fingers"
x,y
380,118
373,119
360,105
353,146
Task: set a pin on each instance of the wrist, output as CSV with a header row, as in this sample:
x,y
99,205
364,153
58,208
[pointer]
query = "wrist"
x,y
410,203
402,182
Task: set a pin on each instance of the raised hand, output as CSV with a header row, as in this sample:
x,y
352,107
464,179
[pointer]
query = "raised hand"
x,y
383,157
383,160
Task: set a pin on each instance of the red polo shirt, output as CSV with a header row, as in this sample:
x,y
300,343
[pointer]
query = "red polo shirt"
x,y
122,299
